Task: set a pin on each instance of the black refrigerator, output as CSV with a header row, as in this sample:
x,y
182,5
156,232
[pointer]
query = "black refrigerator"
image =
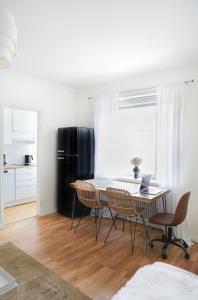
x,y
75,161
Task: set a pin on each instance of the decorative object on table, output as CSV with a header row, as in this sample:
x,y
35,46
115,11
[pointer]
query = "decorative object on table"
x,y
8,39
136,161
36,282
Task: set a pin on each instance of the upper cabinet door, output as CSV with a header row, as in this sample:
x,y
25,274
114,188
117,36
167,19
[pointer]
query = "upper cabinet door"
x,y
24,121
7,126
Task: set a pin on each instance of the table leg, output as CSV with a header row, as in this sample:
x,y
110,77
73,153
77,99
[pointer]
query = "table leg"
x,y
149,222
164,203
73,209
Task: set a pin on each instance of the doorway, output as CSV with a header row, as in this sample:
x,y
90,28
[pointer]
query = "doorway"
x,y
19,182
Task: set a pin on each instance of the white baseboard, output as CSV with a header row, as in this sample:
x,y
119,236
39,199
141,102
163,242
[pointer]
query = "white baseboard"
x,y
18,202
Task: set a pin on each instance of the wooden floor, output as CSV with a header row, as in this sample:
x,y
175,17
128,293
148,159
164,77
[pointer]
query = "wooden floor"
x,y
20,212
97,269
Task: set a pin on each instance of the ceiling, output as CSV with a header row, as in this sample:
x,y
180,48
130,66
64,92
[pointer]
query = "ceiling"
x,y
86,42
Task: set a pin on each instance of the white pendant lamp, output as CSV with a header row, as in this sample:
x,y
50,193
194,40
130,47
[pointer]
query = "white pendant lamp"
x,y
8,39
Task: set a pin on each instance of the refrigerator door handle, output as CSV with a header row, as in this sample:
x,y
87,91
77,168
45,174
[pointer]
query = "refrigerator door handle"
x,y
60,151
71,155
60,158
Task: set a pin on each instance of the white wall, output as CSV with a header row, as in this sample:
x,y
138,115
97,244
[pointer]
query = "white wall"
x,y
17,150
57,105
190,145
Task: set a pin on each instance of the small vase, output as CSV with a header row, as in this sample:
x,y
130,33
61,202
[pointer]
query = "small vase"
x,y
136,172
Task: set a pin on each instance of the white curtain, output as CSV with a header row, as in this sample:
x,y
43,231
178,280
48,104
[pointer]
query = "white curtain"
x,y
104,107
169,147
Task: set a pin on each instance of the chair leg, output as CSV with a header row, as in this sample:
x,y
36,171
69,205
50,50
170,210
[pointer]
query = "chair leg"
x,y
146,233
133,243
113,219
98,227
155,240
110,229
131,236
164,248
73,209
124,221
183,242
95,214
168,239
187,256
150,231
96,219
145,227
84,210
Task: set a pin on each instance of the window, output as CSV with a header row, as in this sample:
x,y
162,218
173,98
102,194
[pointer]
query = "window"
x,y
131,132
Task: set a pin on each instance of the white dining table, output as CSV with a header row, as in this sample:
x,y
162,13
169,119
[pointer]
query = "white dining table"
x,y
133,188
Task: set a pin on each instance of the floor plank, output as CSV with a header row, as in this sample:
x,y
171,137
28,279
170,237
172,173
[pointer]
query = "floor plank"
x,y
96,268
20,212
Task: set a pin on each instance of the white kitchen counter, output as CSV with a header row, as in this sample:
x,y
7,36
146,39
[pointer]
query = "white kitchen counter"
x,y
8,167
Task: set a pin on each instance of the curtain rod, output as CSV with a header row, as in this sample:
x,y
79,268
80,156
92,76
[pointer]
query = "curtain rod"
x,y
148,88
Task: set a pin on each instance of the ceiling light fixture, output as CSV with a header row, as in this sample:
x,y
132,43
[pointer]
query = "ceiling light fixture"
x,y
8,39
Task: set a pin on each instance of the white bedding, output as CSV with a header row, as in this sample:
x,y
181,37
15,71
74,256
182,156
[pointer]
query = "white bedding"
x,y
160,281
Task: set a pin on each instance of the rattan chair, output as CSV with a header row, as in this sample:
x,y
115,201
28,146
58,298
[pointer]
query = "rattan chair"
x,y
88,196
122,203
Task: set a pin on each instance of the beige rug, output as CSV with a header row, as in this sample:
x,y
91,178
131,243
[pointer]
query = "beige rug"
x,y
36,282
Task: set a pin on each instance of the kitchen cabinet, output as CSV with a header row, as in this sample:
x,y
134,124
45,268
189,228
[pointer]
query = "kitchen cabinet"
x,y
25,192
24,136
24,121
19,125
19,185
7,126
26,183
8,187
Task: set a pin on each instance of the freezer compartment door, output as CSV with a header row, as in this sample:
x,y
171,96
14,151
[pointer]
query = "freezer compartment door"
x,y
67,141
83,159
85,149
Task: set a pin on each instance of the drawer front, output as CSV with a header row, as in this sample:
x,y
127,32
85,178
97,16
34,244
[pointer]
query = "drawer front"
x,y
26,192
26,182
27,176
27,170
31,170
31,181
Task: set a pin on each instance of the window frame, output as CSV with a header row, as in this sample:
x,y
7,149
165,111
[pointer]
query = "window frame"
x,y
141,98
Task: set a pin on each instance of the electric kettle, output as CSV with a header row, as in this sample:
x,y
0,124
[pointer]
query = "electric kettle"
x,y
28,160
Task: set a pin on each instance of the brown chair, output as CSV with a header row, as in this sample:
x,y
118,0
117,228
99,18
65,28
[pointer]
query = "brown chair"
x,y
88,196
122,203
169,221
